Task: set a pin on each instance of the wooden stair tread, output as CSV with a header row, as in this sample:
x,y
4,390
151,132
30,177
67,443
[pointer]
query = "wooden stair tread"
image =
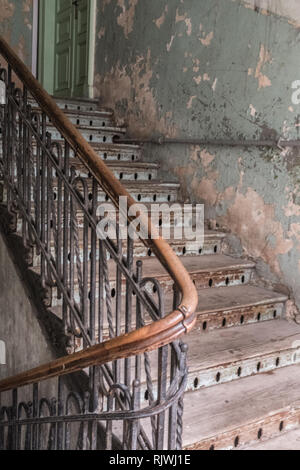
x,y
156,206
133,165
197,264
212,411
266,297
79,100
138,186
153,183
74,99
194,264
96,113
235,297
83,127
104,147
108,147
150,186
119,130
208,235
238,348
119,166
221,347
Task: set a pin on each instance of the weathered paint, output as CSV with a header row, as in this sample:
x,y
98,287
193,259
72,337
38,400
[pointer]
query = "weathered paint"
x,y
239,316
271,426
215,70
227,372
16,18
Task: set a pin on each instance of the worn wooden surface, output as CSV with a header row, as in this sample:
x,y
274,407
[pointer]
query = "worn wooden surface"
x,y
216,415
197,265
231,345
225,298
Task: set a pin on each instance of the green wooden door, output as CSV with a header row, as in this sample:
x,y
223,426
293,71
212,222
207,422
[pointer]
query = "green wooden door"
x,y
80,49
66,47
63,48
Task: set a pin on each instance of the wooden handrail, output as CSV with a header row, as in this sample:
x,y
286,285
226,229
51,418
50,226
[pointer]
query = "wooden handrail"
x,y
147,338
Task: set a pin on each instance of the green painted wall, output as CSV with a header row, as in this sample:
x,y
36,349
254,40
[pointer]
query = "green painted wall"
x,y
207,69
16,26
217,70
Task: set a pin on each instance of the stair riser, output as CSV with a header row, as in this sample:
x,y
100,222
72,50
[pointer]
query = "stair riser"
x,y
143,252
140,195
223,278
249,367
185,249
238,370
104,135
219,279
78,119
166,228
133,174
267,428
128,175
119,155
91,121
237,317
211,245
113,154
83,106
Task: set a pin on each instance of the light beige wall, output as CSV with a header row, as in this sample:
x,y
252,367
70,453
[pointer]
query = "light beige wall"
x,y
287,8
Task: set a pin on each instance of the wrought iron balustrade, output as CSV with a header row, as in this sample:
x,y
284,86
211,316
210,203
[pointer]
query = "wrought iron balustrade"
x,y
123,346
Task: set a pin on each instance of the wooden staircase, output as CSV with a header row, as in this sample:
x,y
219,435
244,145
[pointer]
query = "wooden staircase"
x,y
244,371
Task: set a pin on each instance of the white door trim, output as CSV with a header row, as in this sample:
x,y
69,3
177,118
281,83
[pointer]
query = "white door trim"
x,y
92,47
38,49
35,34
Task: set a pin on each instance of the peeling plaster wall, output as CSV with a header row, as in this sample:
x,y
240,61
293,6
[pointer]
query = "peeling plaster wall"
x,y
213,69
201,68
16,26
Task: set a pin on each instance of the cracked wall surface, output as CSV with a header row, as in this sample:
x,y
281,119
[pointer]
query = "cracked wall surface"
x,y
213,69
16,26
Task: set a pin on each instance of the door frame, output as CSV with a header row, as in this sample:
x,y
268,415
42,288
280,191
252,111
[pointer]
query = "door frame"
x,y
35,29
46,34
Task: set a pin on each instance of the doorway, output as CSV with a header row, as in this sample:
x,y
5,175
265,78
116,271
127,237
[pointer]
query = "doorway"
x,y
66,47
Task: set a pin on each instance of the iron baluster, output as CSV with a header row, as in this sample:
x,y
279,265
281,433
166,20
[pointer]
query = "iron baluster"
x,y
35,399
66,238
43,200
60,412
